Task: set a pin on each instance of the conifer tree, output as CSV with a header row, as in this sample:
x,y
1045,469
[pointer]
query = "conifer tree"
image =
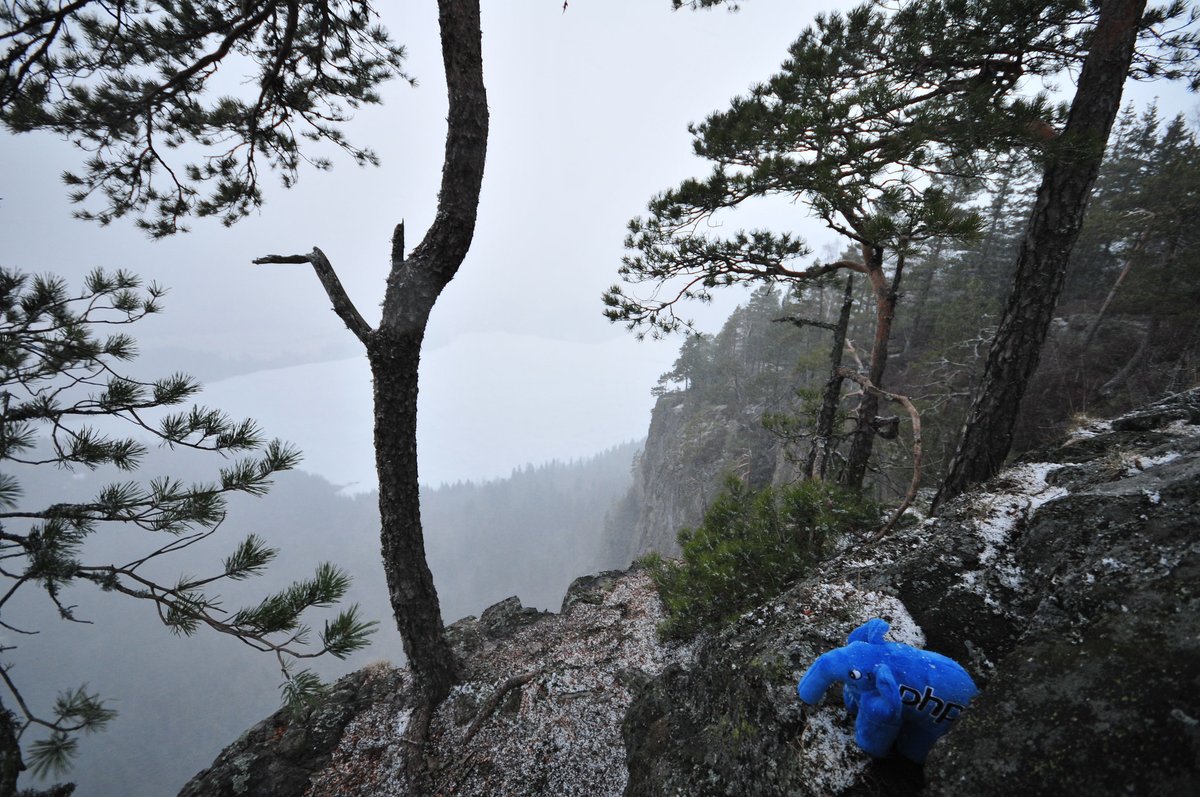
x,y
62,396
869,108
131,83
1072,167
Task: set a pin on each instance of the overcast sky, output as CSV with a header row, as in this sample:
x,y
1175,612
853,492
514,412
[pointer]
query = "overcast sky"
x,y
589,114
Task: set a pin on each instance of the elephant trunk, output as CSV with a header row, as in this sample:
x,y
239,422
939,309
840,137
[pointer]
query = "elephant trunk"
x,y
820,676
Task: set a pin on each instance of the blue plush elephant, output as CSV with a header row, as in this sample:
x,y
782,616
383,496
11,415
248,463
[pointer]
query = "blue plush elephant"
x,y
905,698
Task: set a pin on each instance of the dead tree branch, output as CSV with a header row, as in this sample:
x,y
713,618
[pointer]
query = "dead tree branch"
x,y
797,321
490,705
916,446
485,712
333,287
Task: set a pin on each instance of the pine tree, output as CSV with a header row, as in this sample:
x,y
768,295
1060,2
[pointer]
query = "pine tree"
x,y
134,86
1073,164
62,396
933,82
867,109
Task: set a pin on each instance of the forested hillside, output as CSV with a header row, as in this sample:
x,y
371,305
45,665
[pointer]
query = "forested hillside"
x,y
528,535
745,400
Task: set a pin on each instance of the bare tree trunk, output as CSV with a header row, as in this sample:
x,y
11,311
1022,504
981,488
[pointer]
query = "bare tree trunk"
x,y
915,417
1138,358
1112,292
822,444
415,606
924,288
394,350
1041,263
885,310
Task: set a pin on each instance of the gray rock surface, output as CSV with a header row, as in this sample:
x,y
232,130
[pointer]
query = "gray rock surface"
x,y
538,710
1069,587
279,756
1099,694
689,450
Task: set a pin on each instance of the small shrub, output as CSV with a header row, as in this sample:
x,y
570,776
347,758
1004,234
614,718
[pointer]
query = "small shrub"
x,y
749,547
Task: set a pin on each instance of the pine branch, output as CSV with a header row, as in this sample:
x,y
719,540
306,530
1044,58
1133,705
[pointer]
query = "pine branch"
x,y
54,373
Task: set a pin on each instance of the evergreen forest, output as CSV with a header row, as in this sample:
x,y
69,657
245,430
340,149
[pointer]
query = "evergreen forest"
x,y
1125,331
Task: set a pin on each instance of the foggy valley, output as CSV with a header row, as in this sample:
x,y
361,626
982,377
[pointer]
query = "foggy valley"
x,y
895,350
181,700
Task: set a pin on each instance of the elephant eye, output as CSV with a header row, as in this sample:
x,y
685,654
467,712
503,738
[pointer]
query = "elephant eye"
x,y
855,675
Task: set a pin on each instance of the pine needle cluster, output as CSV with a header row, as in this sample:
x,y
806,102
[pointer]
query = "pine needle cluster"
x,y
63,403
139,86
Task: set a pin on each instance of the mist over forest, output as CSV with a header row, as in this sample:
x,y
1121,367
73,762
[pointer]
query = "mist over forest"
x,y
1118,342
923,241
182,699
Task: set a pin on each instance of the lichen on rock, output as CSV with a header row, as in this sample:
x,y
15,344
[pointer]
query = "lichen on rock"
x,y
1067,586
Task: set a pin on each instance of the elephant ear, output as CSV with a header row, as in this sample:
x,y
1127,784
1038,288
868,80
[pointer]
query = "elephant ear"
x,y
885,681
871,631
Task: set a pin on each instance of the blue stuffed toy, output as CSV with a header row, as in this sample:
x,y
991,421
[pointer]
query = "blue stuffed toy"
x,y
905,698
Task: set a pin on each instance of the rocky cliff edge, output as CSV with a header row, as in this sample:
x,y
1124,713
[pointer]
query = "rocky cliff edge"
x,y
1069,586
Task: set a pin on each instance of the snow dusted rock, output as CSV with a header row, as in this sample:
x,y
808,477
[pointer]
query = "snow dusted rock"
x,y
1177,407
563,683
732,724
278,756
555,733
1069,587
1099,694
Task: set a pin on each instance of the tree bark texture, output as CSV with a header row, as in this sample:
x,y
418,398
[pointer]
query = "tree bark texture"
x,y
394,350
1073,164
414,284
413,596
10,753
885,310
822,444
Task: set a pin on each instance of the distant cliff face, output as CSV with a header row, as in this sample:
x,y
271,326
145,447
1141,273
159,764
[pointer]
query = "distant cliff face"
x,y
707,422
1068,587
690,448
